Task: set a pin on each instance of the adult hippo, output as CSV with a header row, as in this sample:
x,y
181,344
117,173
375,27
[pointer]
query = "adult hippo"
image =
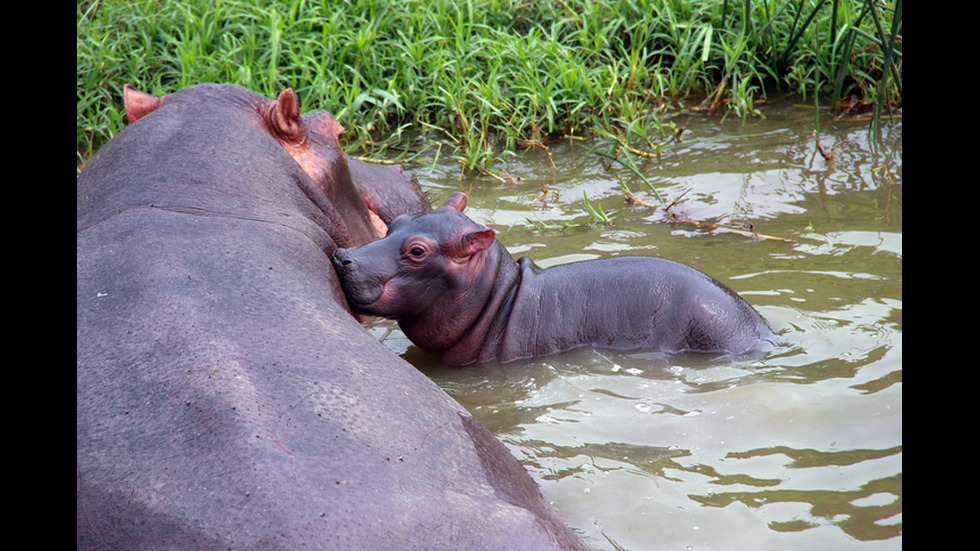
x,y
456,291
226,398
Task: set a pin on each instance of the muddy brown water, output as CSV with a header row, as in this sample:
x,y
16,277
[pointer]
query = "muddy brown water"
x,y
800,448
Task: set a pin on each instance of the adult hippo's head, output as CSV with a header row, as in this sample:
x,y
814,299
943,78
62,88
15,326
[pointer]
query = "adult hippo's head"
x,y
368,195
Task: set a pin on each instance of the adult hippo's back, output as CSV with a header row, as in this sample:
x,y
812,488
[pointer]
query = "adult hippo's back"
x,y
225,396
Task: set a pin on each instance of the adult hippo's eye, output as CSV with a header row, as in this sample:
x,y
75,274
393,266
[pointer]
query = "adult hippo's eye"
x,y
417,252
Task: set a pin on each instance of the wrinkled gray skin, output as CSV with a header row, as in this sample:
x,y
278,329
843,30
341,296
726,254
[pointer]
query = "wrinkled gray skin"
x,y
456,291
226,398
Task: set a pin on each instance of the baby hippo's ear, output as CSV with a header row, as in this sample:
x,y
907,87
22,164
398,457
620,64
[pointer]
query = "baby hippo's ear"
x,y
476,241
457,201
400,219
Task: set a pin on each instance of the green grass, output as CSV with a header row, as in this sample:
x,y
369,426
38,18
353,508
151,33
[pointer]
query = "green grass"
x,y
483,78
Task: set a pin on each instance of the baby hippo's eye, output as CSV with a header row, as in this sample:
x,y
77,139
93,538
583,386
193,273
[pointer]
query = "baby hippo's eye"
x,y
416,252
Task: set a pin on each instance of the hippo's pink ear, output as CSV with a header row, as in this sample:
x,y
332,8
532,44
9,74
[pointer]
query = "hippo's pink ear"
x,y
457,201
476,241
139,104
286,124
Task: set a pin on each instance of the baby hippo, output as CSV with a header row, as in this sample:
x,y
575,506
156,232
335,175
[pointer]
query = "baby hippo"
x,y
456,291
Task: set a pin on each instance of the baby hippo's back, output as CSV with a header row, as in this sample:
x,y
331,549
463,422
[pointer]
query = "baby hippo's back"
x,y
628,302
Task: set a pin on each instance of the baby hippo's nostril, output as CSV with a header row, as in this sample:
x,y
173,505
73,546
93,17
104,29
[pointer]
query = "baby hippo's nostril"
x,y
340,257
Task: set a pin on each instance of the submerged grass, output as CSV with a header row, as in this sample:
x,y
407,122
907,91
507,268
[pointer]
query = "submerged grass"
x,y
484,78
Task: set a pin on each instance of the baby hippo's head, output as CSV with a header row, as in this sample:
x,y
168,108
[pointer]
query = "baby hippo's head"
x,y
425,268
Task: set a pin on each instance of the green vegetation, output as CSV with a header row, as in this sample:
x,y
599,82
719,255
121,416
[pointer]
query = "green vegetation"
x,y
482,78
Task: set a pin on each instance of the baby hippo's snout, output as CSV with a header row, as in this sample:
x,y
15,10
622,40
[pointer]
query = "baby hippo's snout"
x,y
342,259
350,272
363,274
361,287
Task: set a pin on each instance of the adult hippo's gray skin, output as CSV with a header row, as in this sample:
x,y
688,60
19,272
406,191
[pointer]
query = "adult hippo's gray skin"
x,y
226,397
456,291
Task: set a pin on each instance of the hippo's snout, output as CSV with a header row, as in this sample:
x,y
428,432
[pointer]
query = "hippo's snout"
x,y
362,288
347,270
342,259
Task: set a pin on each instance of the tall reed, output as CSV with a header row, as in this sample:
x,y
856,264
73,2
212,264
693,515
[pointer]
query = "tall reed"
x,y
485,77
